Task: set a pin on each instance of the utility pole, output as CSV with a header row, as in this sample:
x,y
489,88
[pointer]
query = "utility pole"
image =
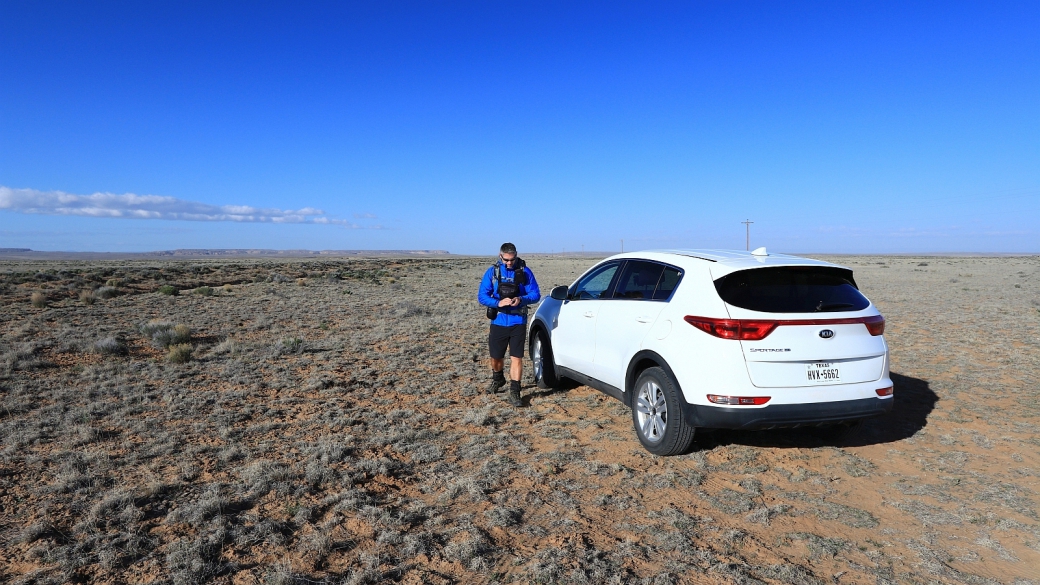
x,y
583,250
747,226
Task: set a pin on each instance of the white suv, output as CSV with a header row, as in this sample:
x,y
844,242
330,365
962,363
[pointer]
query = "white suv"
x,y
717,339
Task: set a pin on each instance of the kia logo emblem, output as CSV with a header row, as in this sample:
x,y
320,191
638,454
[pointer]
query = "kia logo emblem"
x,y
826,334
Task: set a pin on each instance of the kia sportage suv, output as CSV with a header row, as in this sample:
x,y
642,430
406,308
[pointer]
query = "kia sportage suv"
x,y
717,339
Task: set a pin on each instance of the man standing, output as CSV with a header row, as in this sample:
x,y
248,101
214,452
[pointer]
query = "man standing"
x,y
508,287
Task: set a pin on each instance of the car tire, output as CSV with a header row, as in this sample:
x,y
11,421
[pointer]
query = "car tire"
x,y
657,414
544,368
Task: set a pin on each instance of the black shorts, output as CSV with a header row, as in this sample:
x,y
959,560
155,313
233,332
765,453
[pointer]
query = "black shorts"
x,y
514,336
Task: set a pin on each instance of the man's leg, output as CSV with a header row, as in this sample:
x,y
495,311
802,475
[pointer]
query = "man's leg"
x,y
516,367
496,347
516,362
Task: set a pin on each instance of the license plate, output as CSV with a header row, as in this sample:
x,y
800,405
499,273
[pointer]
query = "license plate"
x,y
823,373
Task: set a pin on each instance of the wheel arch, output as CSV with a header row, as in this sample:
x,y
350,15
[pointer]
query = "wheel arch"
x,y
536,326
642,360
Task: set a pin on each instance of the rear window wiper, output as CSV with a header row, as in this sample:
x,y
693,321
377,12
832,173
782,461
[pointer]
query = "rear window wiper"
x,y
831,306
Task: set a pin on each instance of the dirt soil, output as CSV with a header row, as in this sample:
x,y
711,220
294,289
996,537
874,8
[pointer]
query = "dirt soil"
x,y
325,424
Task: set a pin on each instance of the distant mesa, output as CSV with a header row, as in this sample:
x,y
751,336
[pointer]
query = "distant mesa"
x,y
28,253
196,252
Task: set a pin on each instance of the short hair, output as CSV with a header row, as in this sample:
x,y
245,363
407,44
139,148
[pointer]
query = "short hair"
x,y
507,248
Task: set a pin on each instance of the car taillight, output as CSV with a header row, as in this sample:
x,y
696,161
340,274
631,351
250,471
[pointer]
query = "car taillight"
x,y
884,391
875,325
743,329
755,329
738,400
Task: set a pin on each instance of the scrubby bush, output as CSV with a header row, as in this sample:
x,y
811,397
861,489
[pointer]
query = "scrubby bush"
x,y
106,292
165,333
179,353
87,297
168,290
291,345
114,283
39,300
206,291
110,346
227,288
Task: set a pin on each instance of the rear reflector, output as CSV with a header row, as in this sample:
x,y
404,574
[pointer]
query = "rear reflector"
x,y
738,400
755,330
884,391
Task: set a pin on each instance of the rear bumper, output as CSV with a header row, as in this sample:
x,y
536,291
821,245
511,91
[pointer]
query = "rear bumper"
x,y
785,415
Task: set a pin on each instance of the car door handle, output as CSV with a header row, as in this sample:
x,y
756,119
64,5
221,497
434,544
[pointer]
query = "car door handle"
x,y
589,314
643,319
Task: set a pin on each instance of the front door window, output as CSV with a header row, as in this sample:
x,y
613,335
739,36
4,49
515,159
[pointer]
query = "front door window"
x,y
596,284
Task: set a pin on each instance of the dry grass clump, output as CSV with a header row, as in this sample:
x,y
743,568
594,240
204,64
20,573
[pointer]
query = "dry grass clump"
x,y
168,290
87,297
179,353
163,334
110,346
106,292
38,300
114,282
205,291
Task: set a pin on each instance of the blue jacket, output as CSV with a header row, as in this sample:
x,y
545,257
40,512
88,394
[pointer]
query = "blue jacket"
x,y
488,295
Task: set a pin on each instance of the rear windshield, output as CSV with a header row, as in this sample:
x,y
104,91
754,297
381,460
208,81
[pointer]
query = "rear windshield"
x,y
792,289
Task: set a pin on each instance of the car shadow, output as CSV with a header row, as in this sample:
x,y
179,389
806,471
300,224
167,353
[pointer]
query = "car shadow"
x,y
914,402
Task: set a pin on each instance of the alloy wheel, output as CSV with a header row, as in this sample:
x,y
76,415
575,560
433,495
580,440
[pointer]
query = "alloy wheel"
x,y
536,357
651,411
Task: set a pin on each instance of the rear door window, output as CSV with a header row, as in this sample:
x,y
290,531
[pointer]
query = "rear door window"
x,y
792,289
669,280
638,280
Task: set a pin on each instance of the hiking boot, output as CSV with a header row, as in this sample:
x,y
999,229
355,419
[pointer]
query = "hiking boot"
x,y
495,385
514,394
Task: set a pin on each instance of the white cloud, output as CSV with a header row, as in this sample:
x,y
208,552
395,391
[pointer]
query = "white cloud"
x,y
131,206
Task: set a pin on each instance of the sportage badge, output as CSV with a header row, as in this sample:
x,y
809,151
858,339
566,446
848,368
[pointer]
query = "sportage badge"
x,y
826,334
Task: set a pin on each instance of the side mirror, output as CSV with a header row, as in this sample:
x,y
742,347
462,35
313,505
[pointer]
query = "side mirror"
x,y
558,293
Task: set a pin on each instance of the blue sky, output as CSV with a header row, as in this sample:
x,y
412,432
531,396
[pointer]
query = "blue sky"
x,y
834,126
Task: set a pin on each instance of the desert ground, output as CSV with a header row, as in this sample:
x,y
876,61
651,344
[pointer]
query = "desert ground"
x,y
322,421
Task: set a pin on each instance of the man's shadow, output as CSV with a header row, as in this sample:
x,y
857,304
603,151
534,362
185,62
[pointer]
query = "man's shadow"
x,y
914,401
532,391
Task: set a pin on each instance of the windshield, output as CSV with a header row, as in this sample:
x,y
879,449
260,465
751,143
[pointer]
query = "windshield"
x,y
792,289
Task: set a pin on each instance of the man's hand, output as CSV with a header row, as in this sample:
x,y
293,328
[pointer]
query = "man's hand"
x,y
506,302
516,301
